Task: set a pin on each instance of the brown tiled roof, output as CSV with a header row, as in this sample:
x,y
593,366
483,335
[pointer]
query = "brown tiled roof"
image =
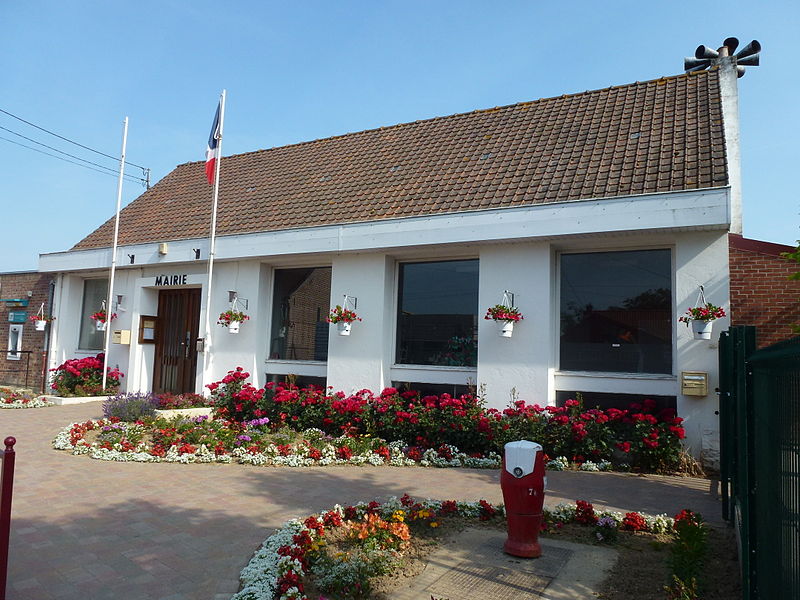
x,y
655,136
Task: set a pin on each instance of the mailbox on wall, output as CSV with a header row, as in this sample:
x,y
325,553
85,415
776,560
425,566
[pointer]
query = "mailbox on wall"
x,y
694,383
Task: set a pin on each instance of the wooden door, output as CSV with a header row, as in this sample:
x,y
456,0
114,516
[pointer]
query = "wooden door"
x,y
176,331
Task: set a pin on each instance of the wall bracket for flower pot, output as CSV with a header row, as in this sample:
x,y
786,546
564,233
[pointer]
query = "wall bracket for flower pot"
x,y
233,298
350,302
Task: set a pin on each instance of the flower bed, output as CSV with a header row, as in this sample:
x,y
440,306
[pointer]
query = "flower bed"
x,y
204,440
298,553
11,399
84,377
639,436
286,425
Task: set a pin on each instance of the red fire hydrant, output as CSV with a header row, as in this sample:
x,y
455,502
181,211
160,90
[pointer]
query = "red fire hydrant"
x,y
523,484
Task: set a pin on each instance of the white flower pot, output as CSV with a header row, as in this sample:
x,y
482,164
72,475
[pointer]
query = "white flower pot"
x,y
506,328
233,327
40,325
344,328
101,325
701,330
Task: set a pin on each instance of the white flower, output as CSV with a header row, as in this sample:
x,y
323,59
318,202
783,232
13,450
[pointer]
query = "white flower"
x,y
31,403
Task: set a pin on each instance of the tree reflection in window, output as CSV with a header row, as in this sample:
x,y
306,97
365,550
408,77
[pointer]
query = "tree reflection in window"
x,y
616,310
437,320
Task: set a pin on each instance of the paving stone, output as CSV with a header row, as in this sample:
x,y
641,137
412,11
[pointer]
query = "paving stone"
x,y
104,528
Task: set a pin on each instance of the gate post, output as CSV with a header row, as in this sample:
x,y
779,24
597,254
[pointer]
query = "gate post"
x,y
6,489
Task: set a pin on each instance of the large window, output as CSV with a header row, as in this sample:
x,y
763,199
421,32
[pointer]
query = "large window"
x,y
300,304
616,312
437,321
95,292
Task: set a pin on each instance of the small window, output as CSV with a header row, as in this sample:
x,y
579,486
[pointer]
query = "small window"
x,y
14,342
300,305
434,389
95,292
437,320
616,312
300,381
622,401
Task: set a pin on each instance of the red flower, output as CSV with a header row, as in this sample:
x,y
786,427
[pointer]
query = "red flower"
x,y
633,521
584,513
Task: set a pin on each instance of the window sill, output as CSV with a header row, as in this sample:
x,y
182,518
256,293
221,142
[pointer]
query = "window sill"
x,y
435,368
314,368
617,375
659,384
434,374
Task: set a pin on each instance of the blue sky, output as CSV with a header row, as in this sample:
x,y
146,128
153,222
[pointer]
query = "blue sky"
x,y
302,71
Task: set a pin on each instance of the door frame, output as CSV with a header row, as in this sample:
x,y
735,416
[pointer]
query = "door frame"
x,y
178,336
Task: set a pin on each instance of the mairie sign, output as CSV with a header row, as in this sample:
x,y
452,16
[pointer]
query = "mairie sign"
x,y
168,280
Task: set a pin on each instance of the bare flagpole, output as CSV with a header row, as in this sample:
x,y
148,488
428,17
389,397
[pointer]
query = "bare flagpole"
x,y
213,242
109,304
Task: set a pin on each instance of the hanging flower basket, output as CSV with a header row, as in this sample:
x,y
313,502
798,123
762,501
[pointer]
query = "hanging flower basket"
x,y
232,319
40,319
701,330
701,319
343,318
100,318
505,316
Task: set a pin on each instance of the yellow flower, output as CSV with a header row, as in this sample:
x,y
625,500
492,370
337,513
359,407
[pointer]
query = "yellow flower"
x,y
434,524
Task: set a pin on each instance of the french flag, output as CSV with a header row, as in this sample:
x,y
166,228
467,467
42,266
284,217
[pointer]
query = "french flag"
x,y
212,149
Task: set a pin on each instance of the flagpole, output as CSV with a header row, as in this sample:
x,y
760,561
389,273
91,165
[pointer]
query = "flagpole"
x,y
213,242
109,304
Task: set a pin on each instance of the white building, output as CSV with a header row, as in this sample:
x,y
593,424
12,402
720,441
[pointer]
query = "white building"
x,y
602,213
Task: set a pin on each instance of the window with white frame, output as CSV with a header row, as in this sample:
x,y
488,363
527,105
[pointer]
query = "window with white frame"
x,y
616,311
300,305
14,342
437,317
95,292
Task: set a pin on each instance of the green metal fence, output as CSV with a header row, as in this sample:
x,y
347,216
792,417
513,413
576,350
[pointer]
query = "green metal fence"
x,y
760,460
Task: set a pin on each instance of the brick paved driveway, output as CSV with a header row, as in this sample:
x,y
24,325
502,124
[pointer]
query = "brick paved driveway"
x,y
94,530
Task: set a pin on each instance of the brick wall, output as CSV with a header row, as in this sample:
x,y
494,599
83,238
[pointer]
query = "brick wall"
x,y
13,372
761,293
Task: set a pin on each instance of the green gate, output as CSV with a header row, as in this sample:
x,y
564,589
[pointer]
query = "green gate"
x,y
760,460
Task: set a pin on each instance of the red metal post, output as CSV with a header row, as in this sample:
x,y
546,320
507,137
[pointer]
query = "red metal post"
x,y
6,489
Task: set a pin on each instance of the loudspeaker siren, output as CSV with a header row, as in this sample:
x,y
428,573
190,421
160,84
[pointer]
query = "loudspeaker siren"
x,y
705,52
731,44
691,63
749,61
753,47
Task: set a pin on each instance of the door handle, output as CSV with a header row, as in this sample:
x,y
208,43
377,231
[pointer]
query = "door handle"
x,y
186,344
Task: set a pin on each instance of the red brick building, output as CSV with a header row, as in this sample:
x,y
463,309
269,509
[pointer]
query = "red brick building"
x,y
23,348
761,292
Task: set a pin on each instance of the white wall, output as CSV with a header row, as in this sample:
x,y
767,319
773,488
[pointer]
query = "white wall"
x,y
701,259
524,361
363,359
243,349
